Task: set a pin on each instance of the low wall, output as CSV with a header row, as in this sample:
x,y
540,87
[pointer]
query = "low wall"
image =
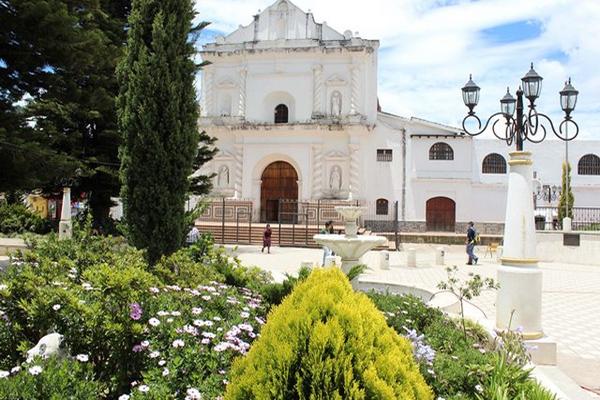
x,y
550,248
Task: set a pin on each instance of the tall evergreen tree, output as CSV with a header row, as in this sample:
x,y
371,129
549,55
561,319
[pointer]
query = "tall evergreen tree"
x,y
566,195
158,115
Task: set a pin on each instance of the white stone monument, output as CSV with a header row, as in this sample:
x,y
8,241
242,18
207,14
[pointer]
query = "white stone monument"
x,y
65,227
519,301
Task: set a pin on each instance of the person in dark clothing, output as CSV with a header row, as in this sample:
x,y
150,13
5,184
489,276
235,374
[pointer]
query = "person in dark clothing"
x,y
471,242
267,239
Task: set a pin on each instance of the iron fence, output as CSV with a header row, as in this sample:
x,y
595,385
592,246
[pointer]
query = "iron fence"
x,y
584,218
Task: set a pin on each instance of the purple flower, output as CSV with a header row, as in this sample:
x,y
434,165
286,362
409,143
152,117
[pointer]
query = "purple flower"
x,y
135,311
137,348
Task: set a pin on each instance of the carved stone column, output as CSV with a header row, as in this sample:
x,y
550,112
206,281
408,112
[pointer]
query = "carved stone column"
x,y
238,171
209,93
317,92
317,172
354,169
242,98
355,90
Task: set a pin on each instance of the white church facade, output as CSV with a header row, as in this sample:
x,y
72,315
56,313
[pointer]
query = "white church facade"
x,y
294,107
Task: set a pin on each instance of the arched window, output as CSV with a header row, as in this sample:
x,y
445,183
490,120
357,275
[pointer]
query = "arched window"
x,y
381,207
441,151
493,164
281,114
589,165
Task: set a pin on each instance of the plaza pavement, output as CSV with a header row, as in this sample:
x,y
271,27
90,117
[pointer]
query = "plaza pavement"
x,y
570,296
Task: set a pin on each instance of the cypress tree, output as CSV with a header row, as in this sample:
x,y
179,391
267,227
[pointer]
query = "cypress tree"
x,y
157,113
565,195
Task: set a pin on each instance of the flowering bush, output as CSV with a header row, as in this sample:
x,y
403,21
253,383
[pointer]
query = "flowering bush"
x,y
17,218
327,342
110,306
50,379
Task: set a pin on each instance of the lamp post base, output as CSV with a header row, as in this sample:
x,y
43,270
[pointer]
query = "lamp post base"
x,y
65,230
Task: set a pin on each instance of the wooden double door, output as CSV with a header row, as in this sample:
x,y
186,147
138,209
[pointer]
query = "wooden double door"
x,y
440,214
279,193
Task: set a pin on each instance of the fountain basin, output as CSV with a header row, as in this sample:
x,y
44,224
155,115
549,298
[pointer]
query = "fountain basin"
x,y
350,249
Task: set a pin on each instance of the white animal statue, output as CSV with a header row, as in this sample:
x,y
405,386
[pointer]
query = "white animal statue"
x,y
48,346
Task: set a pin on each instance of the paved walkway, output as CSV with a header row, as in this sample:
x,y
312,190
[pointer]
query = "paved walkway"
x,y
570,297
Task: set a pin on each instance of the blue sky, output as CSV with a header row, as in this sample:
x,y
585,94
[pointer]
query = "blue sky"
x,y
429,47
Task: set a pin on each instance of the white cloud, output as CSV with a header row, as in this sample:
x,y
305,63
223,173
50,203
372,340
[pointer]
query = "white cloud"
x,y
429,47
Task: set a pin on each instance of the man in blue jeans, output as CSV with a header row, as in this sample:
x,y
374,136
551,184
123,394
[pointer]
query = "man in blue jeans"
x,y
471,239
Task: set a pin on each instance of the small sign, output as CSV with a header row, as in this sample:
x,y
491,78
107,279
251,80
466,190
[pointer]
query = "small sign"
x,y
571,239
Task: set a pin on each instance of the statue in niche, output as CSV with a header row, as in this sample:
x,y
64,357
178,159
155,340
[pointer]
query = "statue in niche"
x,y
335,179
336,104
223,176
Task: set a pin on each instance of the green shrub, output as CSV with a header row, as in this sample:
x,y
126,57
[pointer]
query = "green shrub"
x,y
327,342
17,218
51,379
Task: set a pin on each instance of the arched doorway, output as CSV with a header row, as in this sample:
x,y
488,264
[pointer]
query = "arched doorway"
x,y
279,182
440,214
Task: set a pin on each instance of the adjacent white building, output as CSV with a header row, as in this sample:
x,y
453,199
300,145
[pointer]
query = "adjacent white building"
x,y
294,106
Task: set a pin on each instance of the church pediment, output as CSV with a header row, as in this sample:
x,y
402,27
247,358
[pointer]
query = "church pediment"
x,y
224,155
227,83
336,155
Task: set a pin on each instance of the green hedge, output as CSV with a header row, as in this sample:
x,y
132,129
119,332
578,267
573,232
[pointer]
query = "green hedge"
x,y
327,342
16,218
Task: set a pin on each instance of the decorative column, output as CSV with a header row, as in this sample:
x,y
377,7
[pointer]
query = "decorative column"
x,y
519,301
317,172
354,170
242,98
209,93
317,92
355,89
65,227
238,172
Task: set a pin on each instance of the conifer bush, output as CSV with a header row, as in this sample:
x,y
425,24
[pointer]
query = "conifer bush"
x,y
327,342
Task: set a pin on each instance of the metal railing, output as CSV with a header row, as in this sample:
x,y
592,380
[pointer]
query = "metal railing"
x,y
584,218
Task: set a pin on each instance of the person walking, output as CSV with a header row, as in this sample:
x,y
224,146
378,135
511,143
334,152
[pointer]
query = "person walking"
x,y
471,242
267,239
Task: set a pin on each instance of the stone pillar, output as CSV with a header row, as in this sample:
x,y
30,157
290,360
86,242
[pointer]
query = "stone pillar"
x,y
239,169
317,111
209,93
317,172
65,227
242,97
355,90
519,301
354,170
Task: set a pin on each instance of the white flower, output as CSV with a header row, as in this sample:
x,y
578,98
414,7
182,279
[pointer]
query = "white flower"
x,y
162,362
35,370
193,394
244,314
87,286
3,287
56,307
16,369
162,313
124,397
178,343
169,320
165,372
206,297
154,290
175,313
145,343
154,321
479,388
196,310
144,388
82,357
154,354
4,374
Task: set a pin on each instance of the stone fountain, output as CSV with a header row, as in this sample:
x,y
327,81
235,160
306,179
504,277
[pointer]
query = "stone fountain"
x,y
350,247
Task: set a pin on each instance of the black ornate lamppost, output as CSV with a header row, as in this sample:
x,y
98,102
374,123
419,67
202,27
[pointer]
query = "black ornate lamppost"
x,y
519,299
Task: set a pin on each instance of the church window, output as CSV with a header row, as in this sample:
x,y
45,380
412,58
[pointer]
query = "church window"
x,y
589,165
381,207
384,155
281,114
493,164
441,151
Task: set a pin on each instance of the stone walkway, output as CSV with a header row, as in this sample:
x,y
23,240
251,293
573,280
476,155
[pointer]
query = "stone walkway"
x,y
570,297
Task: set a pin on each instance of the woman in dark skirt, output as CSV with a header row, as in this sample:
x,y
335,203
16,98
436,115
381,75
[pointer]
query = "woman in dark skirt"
x,y
267,239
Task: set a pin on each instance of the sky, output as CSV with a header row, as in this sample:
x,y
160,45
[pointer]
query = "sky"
x,y
428,48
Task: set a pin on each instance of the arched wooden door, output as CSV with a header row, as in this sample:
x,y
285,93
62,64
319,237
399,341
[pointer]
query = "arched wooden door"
x,y
440,214
279,181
